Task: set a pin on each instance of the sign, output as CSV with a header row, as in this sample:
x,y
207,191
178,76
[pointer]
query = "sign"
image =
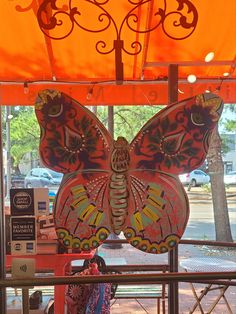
x,y
33,202
22,202
23,267
23,235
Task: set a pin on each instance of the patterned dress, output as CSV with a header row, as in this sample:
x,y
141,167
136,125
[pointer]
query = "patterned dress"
x,y
88,298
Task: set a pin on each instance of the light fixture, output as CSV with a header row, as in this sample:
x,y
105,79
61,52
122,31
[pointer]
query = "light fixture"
x,y
210,56
26,88
226,74
191,78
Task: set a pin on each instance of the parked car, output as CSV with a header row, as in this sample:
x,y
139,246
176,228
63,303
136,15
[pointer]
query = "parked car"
x,y
196,177
43,177
17,181
230,178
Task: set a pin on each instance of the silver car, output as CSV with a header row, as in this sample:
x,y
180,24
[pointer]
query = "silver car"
x,y
43,177
195,178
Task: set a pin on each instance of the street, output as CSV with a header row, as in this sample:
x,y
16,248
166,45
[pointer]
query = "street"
x,y
201,221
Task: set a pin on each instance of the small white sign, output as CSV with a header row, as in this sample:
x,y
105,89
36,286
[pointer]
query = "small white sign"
x,y
41,201
23,267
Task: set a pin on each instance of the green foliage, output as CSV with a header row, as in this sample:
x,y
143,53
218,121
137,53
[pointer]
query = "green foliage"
x,y
128,120
207,187
230,125
229,122
24,134
225,143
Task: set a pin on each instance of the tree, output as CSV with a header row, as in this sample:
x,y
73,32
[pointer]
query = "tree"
x,y
128,120
216,172
24,136
230,123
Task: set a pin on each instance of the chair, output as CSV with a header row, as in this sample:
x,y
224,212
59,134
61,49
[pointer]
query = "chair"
x,y
208,264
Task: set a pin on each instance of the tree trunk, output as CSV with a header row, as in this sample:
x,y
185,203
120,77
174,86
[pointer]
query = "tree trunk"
x,y
216,172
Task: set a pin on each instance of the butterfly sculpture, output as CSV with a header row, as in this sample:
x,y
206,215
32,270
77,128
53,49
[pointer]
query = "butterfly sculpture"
x,y
111,186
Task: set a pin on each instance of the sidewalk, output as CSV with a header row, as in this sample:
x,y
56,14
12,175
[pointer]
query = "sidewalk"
x,y
199,193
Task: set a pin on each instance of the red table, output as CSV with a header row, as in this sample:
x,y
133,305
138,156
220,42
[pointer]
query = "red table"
x,y
60,264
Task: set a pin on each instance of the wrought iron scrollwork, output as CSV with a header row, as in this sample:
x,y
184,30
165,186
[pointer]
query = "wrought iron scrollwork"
x,y
177,24
57,19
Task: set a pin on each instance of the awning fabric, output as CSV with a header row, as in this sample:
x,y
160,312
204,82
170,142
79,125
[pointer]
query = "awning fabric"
x,y
116,52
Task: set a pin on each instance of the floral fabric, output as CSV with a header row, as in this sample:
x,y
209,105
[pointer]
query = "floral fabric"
x,y
88,298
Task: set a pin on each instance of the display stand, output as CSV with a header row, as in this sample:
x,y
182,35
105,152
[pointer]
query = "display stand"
x,y
58,263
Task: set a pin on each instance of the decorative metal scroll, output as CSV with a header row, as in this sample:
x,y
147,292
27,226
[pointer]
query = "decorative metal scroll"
x,y
57,20
113,186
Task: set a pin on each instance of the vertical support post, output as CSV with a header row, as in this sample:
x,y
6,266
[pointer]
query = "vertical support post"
x,y
172,83
8,148
25,301
173,295
118,45
111,120
2,228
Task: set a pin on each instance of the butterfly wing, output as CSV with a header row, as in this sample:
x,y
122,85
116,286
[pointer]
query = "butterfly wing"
x,y
81,211
176,139
74,142
173,141
72,138
159,211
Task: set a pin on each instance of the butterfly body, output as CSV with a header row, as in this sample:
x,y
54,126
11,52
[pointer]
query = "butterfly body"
x,y
118,192
113,186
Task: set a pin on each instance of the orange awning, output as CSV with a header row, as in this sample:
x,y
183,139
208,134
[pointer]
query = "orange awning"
x,y
116,52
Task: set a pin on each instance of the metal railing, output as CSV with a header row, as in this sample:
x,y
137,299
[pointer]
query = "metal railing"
x,y
224,278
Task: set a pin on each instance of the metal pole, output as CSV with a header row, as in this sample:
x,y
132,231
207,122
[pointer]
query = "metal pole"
x,y
139,278
8,148
25,301
173,299
172,83
2,228
111,120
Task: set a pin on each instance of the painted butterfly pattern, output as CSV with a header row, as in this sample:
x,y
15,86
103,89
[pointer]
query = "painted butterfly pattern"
x,y
111,186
